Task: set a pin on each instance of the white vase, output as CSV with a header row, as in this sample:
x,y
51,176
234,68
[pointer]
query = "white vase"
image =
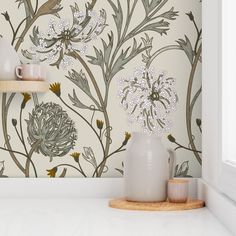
x,y
9,59
147,168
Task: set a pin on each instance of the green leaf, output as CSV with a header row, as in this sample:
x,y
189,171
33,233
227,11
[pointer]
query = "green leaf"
x,y
89,156
28,55
76,102
149,7
124,58
147,43
187,47
108,48
98,60
170,15
80,80
154,4
118,16
36,39
182,171
160,27
51,7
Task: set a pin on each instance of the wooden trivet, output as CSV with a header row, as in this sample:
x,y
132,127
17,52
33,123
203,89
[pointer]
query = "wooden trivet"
x,y
121,203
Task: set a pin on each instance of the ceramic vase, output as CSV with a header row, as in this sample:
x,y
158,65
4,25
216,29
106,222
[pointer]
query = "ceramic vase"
x,y
147,168
9,59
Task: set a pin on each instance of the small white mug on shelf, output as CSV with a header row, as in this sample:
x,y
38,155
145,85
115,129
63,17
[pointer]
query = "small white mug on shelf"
x,y
178,190
31,72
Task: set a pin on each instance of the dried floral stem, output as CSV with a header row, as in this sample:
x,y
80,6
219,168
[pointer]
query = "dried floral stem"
x,y
188,104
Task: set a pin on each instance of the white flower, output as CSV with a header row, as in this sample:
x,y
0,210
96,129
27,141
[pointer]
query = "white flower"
x,y
63,38
148,99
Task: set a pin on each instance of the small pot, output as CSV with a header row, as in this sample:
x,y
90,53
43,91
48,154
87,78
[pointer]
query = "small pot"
x,y
178,190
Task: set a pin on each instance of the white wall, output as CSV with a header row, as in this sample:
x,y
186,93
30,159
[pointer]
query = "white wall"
x,y
210,97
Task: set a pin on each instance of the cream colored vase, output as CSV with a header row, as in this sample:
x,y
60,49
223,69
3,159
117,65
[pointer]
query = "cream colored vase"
x,y
9,59
147,168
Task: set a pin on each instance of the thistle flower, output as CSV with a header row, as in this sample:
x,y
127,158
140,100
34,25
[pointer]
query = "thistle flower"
x,y
26,98
148,99
49,123
127,137
57,45
75,155
52,172
100,124
56,88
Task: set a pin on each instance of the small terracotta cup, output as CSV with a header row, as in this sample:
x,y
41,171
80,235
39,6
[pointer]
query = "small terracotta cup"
x,y
178,190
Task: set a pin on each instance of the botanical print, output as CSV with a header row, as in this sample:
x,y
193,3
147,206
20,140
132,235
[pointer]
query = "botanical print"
x,y
148,98
79,129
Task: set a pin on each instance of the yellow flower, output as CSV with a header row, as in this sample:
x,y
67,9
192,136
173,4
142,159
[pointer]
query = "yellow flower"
x,y
127,137
26,98
52,172
99,124
56,88
75,155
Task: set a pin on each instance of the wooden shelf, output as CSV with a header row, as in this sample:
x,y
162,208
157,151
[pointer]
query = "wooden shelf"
x,y
155,206
19,86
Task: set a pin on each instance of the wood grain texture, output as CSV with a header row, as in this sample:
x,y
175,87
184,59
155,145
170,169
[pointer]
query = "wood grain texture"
x,y
155,206
23,86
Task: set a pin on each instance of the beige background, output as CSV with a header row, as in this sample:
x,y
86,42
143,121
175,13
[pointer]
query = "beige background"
x,y
175,63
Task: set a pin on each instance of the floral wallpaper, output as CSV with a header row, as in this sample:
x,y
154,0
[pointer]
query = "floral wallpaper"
x,y
114,67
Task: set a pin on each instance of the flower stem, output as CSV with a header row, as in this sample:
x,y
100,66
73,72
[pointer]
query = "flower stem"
x,y
72,167
81,169
5,133
104,160
84,119
188,104
161,50
189,149
103,109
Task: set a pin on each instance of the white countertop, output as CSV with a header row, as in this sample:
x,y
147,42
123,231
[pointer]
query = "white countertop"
x,y
93,217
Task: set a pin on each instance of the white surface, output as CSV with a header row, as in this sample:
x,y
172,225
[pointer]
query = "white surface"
x,y
89,217
216,171
211,88
218,204
69,187
228,80
227,112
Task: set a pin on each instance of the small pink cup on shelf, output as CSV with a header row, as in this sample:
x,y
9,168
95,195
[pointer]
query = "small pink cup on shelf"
x,y
177,190
31,72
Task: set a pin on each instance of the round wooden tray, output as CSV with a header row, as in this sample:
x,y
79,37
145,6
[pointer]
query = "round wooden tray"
x,y
121,203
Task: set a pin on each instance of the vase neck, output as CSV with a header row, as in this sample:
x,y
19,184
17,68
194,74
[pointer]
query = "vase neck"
x,y
143,137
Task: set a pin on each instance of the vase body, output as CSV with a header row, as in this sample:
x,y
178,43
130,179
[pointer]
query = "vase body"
x,y
9,59
147,169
